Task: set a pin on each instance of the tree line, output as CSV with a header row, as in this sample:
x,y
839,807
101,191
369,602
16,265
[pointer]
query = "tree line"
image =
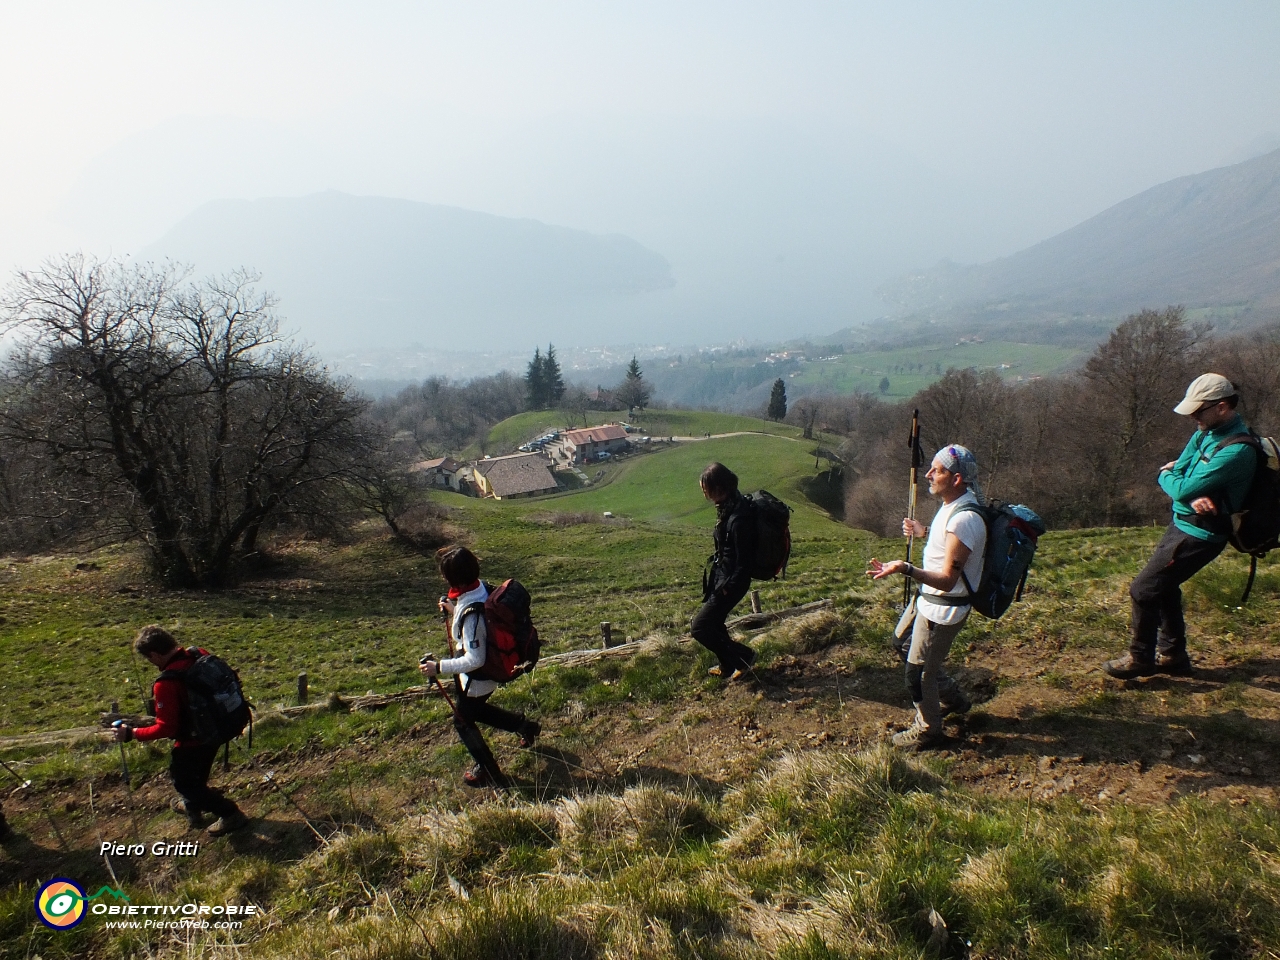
x,y
137,404
1082,449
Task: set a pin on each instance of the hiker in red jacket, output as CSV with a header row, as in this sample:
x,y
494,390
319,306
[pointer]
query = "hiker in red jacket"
x,y
190,761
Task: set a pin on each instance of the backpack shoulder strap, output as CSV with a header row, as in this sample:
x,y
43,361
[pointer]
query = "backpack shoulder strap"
x,y
981,511
476,606
1251,438
193,653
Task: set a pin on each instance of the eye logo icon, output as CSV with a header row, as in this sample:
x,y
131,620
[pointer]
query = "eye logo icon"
x,y
60,904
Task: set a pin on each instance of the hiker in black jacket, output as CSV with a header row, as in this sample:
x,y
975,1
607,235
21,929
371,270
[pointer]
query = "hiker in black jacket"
x,y
729,576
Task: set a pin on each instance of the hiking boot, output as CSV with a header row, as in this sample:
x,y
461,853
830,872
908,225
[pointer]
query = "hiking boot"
x,y
477,776
1128,667
1174,664
915,738
743,668
716,671
195,818
228,824
529,733
960,705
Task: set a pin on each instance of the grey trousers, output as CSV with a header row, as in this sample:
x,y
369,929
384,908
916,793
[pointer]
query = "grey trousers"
x,y
949,692
930,644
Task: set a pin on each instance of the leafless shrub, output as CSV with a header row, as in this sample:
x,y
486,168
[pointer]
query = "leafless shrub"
x,y
422,526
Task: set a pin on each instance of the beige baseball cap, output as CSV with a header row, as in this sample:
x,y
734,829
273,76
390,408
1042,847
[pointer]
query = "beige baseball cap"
x,y
1205,389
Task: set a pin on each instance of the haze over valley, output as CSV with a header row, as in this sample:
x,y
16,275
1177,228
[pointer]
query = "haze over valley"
x,y
435,192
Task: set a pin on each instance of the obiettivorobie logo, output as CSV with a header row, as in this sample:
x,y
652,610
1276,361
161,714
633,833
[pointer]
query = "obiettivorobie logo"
x,y
62,903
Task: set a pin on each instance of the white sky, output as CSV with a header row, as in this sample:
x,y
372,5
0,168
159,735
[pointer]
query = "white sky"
x,y
119,118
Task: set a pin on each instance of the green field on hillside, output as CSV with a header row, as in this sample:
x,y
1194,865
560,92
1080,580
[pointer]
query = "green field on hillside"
x,y
911,369
663,485
512,432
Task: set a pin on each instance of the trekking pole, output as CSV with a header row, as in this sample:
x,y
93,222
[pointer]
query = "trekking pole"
x,y
124,764
270,778
148,708
914,442
23,784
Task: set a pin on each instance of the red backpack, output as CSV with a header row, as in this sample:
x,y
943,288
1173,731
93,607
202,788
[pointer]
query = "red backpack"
x,y
512,647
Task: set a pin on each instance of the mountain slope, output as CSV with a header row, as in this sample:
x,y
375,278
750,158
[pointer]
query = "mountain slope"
x,y
351,270
1210,240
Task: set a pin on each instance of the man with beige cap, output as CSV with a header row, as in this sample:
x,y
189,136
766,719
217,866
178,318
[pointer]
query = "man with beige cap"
x,y
1207,484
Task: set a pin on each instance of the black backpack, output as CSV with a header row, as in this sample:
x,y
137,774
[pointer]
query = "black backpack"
x,y
215,711
1255,527
773,536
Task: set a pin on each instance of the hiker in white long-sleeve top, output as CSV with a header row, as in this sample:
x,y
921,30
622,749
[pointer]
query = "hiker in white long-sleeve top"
x,y
464,604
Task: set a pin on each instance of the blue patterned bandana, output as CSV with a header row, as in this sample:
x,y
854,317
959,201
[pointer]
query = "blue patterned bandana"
x,y
957,459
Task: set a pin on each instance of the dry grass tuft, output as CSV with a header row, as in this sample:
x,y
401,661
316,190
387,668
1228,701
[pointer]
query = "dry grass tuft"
x,y
817,631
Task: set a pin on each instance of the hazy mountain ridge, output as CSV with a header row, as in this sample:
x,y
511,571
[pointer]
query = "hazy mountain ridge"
x,y
1210,240
353,269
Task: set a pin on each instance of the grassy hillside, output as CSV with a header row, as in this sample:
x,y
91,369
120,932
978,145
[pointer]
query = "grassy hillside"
x,y
666,813
663,486
513,431
911,369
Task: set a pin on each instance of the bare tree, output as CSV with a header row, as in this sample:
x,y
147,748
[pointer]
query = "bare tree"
x,y
1252,362
805,412
180,402
1134,380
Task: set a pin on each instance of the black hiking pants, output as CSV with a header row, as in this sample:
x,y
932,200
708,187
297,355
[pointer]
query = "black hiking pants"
x,y
1157,625
475,710
189,767
709,630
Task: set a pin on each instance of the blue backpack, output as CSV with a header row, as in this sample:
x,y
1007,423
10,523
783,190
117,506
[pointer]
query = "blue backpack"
x,y
1012,532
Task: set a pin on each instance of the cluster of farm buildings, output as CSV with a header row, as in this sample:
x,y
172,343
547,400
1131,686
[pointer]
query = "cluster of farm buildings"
x,y
525,474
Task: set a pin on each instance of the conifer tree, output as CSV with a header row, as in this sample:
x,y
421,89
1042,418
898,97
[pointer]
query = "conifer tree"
x,y
552,382
634,391
535,379
778,400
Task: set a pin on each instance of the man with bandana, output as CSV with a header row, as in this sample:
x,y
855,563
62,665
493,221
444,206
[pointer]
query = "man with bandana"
x,y
951,566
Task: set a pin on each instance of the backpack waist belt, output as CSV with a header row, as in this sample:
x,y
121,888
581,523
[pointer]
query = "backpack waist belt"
x,y
944,599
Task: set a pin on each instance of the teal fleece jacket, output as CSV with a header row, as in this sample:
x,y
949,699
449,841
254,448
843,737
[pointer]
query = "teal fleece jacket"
x,y
1224,476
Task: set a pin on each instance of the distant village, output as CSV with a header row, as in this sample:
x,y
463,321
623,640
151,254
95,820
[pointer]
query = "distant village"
x,y
533,469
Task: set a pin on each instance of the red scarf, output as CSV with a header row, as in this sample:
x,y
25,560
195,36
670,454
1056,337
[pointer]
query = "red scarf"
x,y
456,592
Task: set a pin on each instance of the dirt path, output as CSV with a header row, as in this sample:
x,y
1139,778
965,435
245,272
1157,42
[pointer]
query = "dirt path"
x,y
735,433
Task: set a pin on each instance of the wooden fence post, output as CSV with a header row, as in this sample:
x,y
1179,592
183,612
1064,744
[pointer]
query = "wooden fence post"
x,y
606,635
302,688
755,601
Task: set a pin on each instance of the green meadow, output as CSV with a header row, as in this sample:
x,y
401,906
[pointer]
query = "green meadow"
x,y
911,369
512,432
666,813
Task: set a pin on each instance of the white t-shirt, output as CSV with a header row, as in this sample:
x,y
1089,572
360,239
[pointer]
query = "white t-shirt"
x,y
971,530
